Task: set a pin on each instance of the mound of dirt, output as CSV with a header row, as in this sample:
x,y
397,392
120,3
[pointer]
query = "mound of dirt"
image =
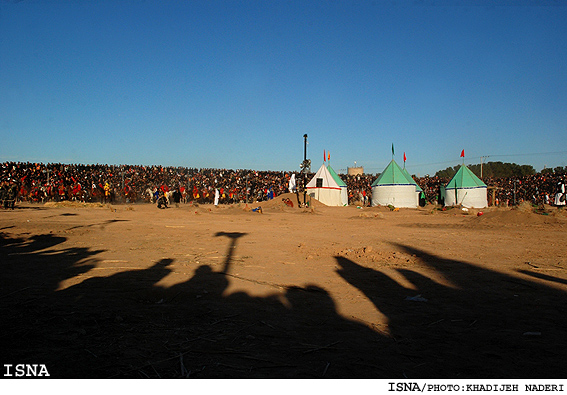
x,y
519,217
278,203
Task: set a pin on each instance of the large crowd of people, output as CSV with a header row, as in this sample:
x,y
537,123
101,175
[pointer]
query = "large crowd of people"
x,y
37,182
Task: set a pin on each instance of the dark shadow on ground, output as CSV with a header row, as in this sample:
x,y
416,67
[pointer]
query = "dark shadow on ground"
x,y
32,268
486,325
542,276
127,326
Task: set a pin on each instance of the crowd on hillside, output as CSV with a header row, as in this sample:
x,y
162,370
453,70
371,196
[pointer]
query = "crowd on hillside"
x,y
36,182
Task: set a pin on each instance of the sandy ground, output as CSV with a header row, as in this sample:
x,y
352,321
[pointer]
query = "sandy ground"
x,y
131,291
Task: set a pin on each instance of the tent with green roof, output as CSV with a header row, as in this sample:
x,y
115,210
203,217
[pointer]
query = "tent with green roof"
x,y
465,189
340,183
394,187
325,188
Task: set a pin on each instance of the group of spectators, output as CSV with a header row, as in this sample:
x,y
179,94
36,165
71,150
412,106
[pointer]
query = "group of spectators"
x,y
37,182
537,188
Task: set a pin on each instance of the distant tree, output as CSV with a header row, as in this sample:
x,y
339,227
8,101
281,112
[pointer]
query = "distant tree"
x,y
528,170
449,172
557,170
492,170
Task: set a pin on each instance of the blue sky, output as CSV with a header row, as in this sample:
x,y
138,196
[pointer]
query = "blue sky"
x,y
236,84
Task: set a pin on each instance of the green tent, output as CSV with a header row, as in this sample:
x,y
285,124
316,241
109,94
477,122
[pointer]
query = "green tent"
x,y
465,178
394,187
466,189
393,174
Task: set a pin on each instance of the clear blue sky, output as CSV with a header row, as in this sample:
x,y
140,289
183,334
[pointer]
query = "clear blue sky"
x,y
236,84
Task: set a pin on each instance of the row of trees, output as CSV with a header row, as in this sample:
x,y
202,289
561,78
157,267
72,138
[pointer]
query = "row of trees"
x,y
500,170
557,170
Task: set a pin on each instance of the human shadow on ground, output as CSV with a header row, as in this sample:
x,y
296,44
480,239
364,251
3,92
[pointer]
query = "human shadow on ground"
x,y
32,269
486,324
127,325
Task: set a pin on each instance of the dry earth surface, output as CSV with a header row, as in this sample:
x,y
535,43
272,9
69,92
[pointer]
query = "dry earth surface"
x,y
131,291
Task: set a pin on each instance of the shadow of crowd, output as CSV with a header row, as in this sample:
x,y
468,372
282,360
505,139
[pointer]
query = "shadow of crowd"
x,y
487,325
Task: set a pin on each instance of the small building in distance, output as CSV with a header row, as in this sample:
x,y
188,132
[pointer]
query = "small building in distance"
x,y
353,171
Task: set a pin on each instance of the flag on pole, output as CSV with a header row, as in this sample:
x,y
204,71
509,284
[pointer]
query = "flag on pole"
x,y
328,156
463,154
324,156
392,149
404,157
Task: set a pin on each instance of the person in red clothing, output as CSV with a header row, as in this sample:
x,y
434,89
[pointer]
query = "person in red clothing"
x,y
195,193
61,191
76,191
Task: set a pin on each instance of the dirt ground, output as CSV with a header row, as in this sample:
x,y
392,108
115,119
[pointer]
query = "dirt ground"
x,y
131,291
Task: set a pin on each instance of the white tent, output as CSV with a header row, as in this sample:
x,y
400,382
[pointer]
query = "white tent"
x,y
465,189
340,183
394,188
324,188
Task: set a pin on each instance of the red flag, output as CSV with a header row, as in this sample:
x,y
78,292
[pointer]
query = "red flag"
x,y
405,157
328,155
324,156
463,154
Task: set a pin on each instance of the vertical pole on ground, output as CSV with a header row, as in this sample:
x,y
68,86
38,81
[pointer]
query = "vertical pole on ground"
x,y
304,169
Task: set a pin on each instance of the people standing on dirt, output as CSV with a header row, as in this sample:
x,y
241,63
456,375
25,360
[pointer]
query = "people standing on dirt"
x,y
176,196
161,200
8,193
560,195
217,196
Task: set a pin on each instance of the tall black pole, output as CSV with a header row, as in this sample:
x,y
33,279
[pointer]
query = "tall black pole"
x,y
304,169
304,147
